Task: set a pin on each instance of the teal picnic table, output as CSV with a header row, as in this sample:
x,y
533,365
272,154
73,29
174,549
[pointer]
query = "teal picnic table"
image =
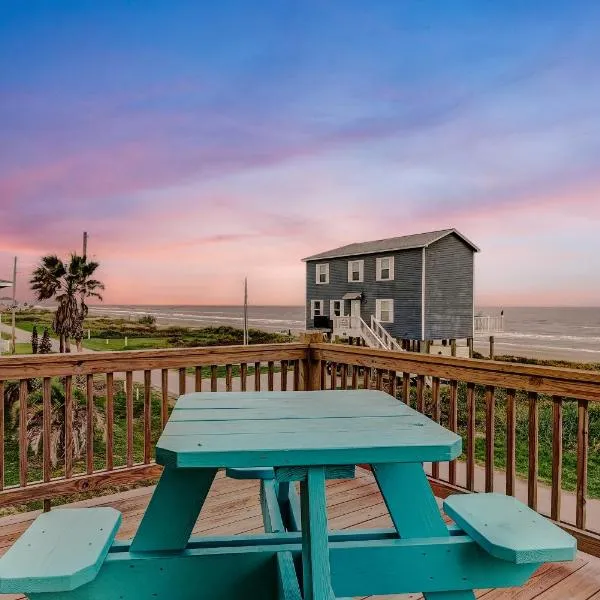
x,y
282,438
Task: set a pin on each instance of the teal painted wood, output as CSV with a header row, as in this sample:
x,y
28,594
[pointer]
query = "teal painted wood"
x,y
300,428
287,474
251,473
290,538
316,575
61,550
294,510
361,568
413,509
288,587
208,400
173,510
510,530
409,500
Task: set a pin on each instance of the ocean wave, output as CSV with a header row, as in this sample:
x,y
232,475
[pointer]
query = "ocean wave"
x,y
540,336
544,347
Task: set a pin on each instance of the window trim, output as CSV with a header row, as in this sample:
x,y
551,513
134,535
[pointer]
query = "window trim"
x,y
361,271
378,303
313,306
332,308
317,273
379,268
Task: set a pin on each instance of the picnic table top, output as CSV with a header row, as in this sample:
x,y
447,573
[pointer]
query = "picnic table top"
x,y
300,428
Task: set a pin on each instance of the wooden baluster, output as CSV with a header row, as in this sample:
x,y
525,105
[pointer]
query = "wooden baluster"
x,y
198,379
213,378
392,378
110,421
68,426
557,449
453,425
344,376
1,435
228,378
420,394
354,377
367,378
270,373
164,404
284,375
147,416
23,432
333,376
582,462
379,379
89,435
511,441
470,436
243,376
257,377
296,375
129,416
435,415
323,374
46,427
406,388
490,434
182,381
532,483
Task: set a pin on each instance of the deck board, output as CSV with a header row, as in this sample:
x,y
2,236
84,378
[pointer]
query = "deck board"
x,y
233,508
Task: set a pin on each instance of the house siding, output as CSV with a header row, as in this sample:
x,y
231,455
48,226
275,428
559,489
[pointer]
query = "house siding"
x,y
449,266
405,289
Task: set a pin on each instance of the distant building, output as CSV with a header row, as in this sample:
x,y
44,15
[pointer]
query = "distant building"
x,y
414,287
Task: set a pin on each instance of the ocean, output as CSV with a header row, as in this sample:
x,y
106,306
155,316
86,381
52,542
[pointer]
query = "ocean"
x,y
554,333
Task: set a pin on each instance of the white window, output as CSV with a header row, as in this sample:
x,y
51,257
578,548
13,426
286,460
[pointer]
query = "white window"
x,y
316,308
323,273
384,311
356,270
385,268
336,308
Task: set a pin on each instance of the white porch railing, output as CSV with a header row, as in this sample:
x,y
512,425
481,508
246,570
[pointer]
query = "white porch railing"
x,y
488,324
381,332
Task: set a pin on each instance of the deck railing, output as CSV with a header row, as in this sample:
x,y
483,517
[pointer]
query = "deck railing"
x,y
501,410
526,429
89,391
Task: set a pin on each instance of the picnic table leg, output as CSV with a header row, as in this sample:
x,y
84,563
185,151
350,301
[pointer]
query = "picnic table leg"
x,y
316,572
173,510
413,509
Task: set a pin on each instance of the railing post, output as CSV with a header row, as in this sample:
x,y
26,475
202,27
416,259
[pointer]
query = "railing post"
x,y
491,347
310,376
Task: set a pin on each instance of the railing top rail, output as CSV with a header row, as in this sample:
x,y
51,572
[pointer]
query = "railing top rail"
x,y
571,383
22,367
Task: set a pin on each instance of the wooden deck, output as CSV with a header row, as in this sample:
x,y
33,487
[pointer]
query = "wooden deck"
x,y
233,508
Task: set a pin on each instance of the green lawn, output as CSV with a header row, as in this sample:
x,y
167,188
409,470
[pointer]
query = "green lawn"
x,y
119,344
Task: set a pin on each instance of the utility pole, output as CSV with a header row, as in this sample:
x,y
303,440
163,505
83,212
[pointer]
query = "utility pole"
x,y
245,311
85,239
14,306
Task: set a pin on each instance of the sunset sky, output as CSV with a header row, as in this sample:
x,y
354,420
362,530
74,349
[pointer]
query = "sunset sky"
x,y
199,142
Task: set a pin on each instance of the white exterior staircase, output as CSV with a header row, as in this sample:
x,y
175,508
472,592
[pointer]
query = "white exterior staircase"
x,y
374,336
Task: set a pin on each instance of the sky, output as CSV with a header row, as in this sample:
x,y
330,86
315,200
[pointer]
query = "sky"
x,y
202,142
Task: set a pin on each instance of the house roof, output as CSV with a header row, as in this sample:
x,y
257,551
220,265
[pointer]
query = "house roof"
x,y
4,283
405,242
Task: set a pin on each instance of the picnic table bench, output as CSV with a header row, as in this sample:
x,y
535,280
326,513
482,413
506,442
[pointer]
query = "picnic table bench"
x,y
285,438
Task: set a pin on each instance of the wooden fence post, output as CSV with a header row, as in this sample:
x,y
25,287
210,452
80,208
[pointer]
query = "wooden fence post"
x,y
491,347
470,346
453,347
311,371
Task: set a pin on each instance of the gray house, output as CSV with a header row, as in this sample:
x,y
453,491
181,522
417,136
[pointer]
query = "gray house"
x,y
414,287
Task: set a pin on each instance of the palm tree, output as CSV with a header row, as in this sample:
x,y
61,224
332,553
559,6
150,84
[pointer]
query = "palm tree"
x,y
69,284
